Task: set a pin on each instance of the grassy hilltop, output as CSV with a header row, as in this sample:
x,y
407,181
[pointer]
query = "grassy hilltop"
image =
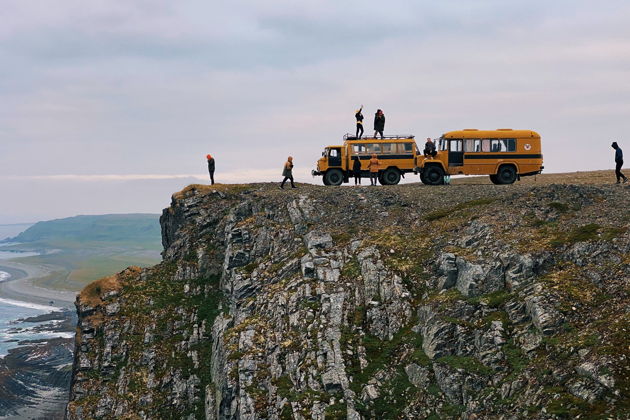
x,y
81,249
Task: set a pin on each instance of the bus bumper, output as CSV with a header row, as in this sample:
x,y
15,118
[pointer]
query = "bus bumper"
x,y
533,173
314,173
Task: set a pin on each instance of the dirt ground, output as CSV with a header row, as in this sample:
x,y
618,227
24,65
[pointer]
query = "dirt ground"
x,y
582,178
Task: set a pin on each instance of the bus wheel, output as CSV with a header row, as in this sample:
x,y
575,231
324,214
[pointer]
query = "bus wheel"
x,y
325,181
333,177
494,179
391,176
422,178
434,175
507,174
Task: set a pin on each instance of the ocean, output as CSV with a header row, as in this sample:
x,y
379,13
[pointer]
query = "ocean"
x,y
12,312
13,330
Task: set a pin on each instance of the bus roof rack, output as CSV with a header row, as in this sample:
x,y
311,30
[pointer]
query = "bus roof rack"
x,y
349,136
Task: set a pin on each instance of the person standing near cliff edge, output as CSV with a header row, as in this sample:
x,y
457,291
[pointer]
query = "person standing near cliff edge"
x,y
379,123
210,168
618,162
287,172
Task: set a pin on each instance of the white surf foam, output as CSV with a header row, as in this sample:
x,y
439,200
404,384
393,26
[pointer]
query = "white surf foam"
x,y
4,276
29,305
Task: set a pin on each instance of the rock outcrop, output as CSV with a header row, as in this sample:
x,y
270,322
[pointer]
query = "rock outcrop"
x,y
468,302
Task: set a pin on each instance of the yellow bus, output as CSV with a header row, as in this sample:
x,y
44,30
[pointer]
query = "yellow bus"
x,y
398,155
504,154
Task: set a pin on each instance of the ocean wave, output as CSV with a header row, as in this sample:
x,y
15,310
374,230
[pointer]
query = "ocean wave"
x,y
29,305
4,276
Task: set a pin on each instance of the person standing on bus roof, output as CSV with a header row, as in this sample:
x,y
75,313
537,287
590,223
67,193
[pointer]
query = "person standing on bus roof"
x,y
618,162
359,116
379,123
287,172
210,168
356,170
373,167
429,148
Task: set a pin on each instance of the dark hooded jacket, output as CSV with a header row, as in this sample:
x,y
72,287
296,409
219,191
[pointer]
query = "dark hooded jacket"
x,y
618,153
379,122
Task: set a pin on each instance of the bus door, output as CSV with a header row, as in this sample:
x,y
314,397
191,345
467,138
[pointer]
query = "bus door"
x,y
334,156
455,152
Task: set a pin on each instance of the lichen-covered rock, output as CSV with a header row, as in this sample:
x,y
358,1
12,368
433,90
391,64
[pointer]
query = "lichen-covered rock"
x,y
405,302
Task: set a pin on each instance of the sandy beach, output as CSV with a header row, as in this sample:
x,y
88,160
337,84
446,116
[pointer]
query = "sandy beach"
x,y
20,287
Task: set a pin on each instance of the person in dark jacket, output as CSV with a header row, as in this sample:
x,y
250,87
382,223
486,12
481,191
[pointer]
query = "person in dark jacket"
x,y
287,172
211,168
429,148
359,116
356,170
618,163
379,123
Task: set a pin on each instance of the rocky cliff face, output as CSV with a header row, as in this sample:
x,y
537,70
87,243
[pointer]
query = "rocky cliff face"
x,y
467,302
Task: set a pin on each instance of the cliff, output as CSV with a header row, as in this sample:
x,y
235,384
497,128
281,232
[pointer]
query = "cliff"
x,y
469,302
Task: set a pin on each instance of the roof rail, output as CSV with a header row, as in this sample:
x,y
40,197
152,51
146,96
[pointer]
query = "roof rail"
x,y
349,136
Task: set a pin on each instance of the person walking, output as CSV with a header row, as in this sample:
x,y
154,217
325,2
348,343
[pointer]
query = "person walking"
x,y
379,123
618,163
210,168
429,148
359,116
287,172
373,167
356,170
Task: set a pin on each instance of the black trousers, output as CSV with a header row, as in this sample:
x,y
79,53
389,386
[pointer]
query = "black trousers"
x,y
618,171
211,177
373,178
359,128
285,180
379,132
357,178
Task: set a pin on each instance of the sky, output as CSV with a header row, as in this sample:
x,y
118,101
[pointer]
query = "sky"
x,y
110,106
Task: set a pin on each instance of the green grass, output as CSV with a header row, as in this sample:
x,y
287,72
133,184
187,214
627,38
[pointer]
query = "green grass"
x,y
134,231
578,234
469,364
559,207
439,214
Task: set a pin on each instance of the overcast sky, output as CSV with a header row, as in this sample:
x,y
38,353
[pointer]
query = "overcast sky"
x,y
110,106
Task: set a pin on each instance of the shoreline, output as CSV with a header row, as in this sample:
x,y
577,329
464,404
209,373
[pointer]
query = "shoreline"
x,y
20,288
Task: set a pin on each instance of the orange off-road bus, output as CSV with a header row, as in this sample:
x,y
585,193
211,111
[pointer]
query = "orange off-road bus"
x,y
398,155
504,154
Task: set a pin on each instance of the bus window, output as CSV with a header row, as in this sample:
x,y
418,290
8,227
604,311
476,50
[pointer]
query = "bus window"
x,y
374,148
485,145
405,147
510,145
469,146
495,145
443,144
389,148
359,149
456,145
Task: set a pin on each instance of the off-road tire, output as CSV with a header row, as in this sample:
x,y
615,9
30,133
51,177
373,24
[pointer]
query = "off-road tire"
x,y
391,176
433,175
506,174
333,177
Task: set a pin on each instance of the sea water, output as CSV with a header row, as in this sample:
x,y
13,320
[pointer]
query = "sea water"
x,y
12,330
